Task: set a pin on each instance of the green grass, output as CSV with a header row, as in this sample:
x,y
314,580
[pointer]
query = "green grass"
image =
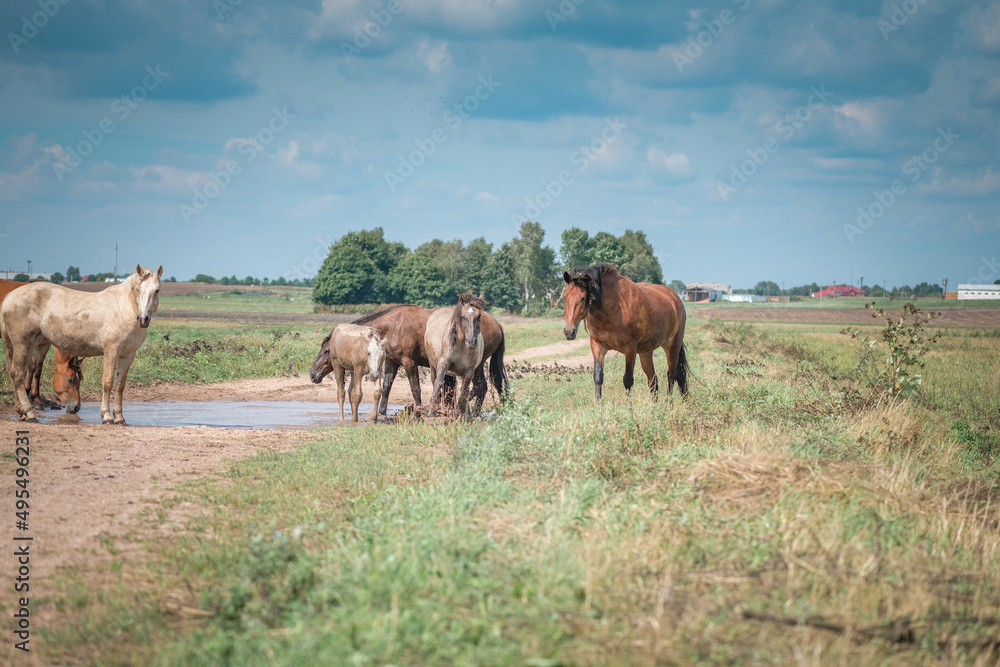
x,y
562,532
267,300
852,303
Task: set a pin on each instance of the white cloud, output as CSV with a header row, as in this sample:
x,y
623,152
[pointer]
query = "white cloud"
x,y
854,116
486,198
675,164
983,184
436,57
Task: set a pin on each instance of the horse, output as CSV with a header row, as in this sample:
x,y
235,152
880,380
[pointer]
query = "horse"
x,y
67,376
631,318
354,348
454,343
112,323
403,329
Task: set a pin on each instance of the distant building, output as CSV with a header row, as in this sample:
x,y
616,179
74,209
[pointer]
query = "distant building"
x,y
10,273
694,292
839,290
745,298
978,292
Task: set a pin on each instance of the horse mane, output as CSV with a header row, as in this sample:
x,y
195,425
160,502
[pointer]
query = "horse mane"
x,y
589,278
464,299
370,317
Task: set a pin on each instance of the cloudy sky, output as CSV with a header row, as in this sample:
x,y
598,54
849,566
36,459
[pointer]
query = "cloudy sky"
x,y
749,139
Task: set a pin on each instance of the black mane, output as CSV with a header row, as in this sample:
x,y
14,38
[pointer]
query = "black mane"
x,y
377,314
589,278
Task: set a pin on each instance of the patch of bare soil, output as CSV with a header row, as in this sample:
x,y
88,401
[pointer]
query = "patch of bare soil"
x,y
971,317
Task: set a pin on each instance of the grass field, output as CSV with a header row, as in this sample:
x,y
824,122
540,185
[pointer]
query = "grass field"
x,y
783,513
852,303
268,300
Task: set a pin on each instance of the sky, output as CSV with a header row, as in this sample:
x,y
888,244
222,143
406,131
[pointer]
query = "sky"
x,y
749,139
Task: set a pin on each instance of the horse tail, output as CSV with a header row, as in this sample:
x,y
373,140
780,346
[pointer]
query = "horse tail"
x,y
498,374
682,370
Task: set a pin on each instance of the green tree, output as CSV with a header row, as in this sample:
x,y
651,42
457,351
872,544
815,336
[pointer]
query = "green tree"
x,y
498,281
643,267
803,290
447,255
373,245
203,278
476,259
609,248
349,276
767,288
925,289
417,279
678,286
534,265
22,277
73,274
576,250
58,278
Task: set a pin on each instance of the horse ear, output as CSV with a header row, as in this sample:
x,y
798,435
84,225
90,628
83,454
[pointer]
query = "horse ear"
x,y
159,272
566,277
138,269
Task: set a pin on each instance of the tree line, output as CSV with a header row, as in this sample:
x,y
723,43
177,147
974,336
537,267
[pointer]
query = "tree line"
x,y
521,275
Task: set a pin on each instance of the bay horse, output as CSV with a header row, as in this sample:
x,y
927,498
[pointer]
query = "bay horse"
x,y
112,323
403,329
454,343
628,317
66,378
349,347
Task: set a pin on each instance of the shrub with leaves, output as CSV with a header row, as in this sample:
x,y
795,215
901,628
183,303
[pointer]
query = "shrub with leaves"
x,y
902,346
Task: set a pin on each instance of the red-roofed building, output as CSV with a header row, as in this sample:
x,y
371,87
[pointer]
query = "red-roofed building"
x,y
840,290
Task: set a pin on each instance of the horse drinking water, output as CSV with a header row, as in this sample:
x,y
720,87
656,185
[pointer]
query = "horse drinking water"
x,y
111,323
353,348
631,318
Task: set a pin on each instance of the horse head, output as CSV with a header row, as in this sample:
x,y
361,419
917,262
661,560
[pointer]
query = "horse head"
x,y
323,363
469,313
66,380
583,290
146,290
376,354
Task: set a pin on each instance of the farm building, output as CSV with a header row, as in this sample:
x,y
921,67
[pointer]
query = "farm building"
x,y
745,298
694,292
839,290
969,291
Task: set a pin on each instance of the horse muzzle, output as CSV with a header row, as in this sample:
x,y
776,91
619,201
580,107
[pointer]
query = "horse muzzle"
x,y
571,331
143,320
316,377
72,407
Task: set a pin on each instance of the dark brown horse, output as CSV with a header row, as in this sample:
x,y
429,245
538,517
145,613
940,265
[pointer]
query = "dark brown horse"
x,y
66,378
403,328
631,318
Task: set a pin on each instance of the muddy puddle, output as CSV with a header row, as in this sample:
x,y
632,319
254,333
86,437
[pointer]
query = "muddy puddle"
x,y
220,414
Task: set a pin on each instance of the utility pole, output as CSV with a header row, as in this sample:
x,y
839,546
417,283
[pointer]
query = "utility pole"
x,y
116,260
861,280
29,269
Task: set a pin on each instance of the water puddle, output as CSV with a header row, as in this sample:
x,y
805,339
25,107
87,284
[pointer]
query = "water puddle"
x,y
220,414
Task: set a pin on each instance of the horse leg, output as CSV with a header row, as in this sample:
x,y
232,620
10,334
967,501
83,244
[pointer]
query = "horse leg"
x,y
646,361
463,398
33,381
599,353
354,391
338,374
479,388
18,366
437,377
413,375
629,378
673,350
107,384
124,364
388,377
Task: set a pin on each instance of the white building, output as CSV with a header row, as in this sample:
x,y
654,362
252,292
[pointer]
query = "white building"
x,y
747,298
978,292
10,273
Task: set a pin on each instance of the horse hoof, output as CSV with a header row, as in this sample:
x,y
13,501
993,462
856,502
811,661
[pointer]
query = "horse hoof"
x,y
107,421
120,422
31,419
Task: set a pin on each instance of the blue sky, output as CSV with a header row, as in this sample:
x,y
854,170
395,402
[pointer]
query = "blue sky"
x,y
750,140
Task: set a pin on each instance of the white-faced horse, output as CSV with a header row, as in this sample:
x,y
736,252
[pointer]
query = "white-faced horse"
x,y
353,348
111,323
454,344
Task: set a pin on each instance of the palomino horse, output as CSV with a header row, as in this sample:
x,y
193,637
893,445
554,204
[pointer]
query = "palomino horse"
x,y
66,378
353,348
403,329
111,323
631,318
454,343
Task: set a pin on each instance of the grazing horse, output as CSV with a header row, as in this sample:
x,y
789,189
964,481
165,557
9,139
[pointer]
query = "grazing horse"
x,y
66,378
354,348
454,343
403,329
112,323
631,318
